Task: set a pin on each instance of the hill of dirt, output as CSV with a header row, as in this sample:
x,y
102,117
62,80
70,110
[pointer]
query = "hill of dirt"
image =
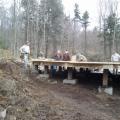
x,y
33,97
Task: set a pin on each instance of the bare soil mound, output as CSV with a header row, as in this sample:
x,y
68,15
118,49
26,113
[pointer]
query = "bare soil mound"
x,y
31,98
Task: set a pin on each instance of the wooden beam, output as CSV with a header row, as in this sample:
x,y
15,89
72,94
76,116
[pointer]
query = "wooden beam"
x,y
70,73
105,77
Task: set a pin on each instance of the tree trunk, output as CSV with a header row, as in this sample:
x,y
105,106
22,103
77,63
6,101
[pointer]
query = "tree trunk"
x,y
15,41
85,49
105,50
46,47
73,44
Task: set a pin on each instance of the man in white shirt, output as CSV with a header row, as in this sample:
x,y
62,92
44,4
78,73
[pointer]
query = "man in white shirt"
x,y
25,50
115,58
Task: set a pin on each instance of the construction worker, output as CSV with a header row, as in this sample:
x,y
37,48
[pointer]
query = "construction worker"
x,y
115,58
58,55
80,57
66,56
25,51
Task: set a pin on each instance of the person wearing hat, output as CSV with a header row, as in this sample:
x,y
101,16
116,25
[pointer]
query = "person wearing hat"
x,y
25,51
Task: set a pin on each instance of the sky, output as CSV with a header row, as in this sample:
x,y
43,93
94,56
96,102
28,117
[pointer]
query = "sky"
x,y
89,5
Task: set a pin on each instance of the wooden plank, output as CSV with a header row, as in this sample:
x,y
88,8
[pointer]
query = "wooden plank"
x,y
71,62
105,65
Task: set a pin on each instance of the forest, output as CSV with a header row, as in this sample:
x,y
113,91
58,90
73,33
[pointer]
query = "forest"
x,y
56,65
45,25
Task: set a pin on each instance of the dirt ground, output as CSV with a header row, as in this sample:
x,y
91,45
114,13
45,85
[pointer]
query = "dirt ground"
x,y
37,98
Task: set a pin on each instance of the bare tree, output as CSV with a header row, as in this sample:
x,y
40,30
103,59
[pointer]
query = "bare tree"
x,y
15,40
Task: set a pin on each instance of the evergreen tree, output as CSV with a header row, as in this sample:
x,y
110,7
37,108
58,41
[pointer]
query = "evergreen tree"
x,y
51,18
77,12
85,23
112,32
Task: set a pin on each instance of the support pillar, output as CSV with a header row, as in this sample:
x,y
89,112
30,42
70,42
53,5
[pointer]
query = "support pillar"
x,y
46,69
70,79
36,67
105,88
105,77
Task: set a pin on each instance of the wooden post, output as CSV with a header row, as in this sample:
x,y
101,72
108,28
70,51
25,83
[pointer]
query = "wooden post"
x,y
69,74
105,77
46,69
70,79
36,67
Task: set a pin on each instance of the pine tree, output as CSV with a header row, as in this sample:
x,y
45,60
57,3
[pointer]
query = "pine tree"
x,y
85,23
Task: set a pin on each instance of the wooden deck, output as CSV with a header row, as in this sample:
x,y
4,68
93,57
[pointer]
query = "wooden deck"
x,y
104,65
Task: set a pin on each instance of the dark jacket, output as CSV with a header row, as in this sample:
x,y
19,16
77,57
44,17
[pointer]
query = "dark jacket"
x,y
66,57
58,56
